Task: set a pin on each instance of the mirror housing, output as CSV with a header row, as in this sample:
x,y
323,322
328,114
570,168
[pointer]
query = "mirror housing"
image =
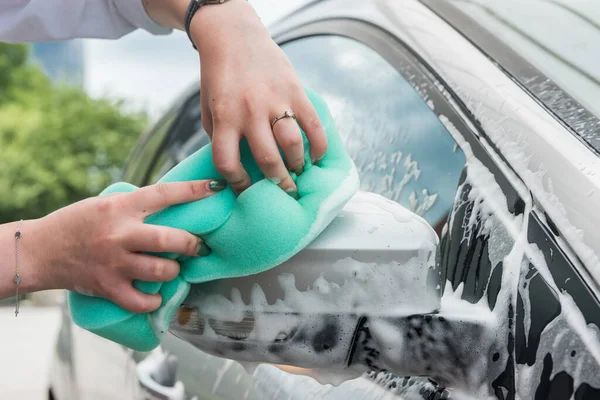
x,y
375,258
365,295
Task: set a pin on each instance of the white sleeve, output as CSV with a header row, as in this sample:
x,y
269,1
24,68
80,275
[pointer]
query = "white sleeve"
x,y
47,20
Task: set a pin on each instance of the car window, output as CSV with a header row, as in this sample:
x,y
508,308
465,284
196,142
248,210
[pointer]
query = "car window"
x,y
163,164
141,158
187,136
401,149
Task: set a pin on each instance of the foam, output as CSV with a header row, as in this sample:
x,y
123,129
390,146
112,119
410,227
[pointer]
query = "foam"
x,y
508,243
398,284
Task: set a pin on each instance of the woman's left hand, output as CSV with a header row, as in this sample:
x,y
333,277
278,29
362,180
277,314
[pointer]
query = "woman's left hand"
x,y
247,81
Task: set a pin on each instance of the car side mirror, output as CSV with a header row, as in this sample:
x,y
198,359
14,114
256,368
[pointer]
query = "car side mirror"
x,y
365,295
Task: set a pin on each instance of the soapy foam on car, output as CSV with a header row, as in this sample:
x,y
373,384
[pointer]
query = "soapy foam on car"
x,y
355,295
325,311
303,387
502,228
515,149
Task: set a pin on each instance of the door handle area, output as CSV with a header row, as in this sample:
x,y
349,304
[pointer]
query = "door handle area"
x,y
157,378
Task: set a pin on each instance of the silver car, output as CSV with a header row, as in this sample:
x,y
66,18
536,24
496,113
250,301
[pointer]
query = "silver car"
x,y
482,118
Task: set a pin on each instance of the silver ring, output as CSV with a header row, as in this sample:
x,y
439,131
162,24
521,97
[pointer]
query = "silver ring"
x,y
286,114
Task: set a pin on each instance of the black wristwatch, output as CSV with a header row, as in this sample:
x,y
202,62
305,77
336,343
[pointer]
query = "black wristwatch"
x,y
193,7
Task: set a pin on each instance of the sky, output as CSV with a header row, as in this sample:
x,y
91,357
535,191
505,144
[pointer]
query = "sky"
x,y
151,71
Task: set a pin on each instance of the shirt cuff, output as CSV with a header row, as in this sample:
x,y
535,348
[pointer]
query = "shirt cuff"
x,y
134,12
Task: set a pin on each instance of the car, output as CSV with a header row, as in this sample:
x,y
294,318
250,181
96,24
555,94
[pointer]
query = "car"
x,y
481,117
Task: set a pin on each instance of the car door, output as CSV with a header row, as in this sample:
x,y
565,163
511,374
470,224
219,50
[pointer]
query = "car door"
x,y
401,149
186,135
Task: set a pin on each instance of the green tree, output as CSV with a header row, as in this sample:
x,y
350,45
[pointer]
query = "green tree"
x,y
57,145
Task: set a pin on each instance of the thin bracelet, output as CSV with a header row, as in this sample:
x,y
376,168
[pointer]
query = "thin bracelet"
x,y
17,278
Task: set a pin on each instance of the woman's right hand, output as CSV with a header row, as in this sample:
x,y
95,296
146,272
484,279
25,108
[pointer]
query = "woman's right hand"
x,y
94,246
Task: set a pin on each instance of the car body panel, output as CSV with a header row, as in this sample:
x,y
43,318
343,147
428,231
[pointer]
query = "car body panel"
x,y
114,378
503,30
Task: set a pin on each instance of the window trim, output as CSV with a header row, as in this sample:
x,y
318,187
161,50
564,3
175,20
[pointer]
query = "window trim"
x,y
575,118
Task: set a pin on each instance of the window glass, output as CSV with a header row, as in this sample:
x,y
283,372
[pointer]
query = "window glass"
x,y
187,136
189,123
163,164
140,160
400,147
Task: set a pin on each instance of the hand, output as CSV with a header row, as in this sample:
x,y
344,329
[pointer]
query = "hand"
x,y
93,247
247,81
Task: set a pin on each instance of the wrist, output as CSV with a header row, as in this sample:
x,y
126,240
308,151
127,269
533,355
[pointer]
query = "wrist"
x,y
30,264
211,22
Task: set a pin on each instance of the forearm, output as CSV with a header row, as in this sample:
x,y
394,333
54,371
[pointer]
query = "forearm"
x,y
38,20
31,271
168,13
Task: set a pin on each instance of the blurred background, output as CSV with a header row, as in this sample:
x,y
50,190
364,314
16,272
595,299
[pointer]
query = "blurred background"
x,y
70,113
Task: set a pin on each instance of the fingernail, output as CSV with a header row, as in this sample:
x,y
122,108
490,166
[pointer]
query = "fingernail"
x,y
293,193
198,244
204,250
217,185
299,170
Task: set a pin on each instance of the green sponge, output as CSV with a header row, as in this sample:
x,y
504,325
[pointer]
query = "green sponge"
x,y
252,233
